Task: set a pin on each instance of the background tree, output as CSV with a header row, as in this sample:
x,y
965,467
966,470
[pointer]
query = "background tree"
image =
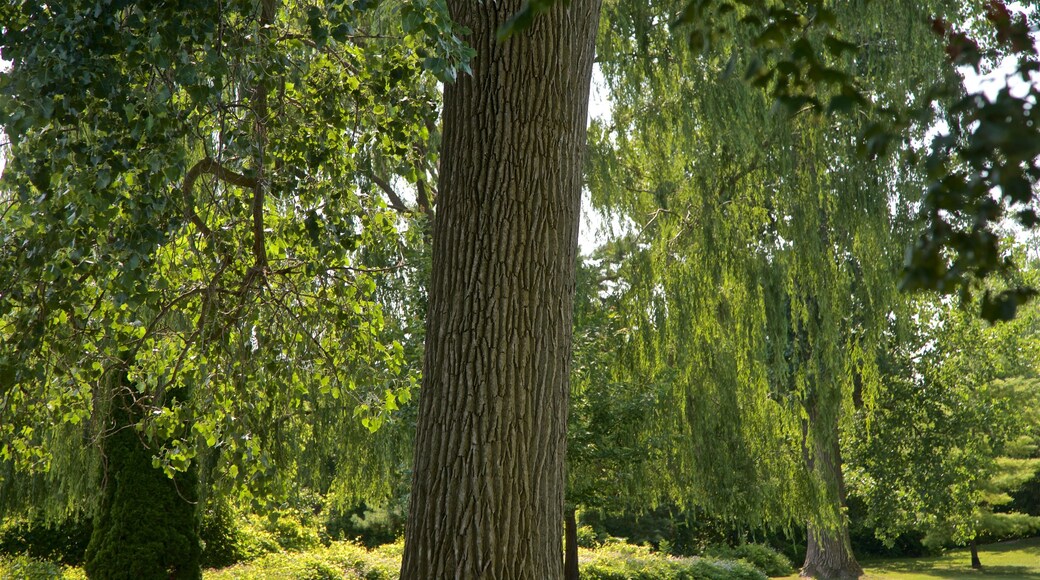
x,y
953,432
763,271
615,451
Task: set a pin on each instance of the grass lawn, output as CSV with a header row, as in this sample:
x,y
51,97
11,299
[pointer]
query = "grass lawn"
x,y
1014,559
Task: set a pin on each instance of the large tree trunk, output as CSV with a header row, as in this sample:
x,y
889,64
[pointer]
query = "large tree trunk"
x,y
975,562
828,554
488,480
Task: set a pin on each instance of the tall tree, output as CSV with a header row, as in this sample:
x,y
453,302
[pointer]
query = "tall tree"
x,y
764,272
488,490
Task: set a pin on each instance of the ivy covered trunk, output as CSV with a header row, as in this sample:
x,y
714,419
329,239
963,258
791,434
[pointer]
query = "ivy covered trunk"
x,y
828,554
146,527
488,483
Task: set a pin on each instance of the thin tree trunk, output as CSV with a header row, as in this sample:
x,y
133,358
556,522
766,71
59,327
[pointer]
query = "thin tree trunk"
x,y
488,478
828,554
976,564
570,548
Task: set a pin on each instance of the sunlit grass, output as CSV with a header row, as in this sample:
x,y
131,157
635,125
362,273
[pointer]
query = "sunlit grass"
x,y
1014,559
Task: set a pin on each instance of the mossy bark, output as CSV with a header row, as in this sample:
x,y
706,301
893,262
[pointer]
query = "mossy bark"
x,y
146,527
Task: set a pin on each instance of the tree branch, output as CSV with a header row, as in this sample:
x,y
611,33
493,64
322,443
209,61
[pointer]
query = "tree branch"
x,y
395,200
217,170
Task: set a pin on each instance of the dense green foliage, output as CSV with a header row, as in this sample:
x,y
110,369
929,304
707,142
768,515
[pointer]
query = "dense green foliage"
x,y
762,557
146,526
756,269
60,542
953,432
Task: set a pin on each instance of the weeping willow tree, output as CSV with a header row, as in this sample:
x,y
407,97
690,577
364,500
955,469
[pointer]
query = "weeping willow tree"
x,y
763,258
206,253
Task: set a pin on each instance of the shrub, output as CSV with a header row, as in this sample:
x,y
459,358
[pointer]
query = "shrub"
x,y
25,567
766,559
338,560
619,561
223,542
710,569
588,538
372,526
291,531
64,542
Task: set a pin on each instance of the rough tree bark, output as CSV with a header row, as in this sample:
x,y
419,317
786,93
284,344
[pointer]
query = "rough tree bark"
x,y
488,479
828,553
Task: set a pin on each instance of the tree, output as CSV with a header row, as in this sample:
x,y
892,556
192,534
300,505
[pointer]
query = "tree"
x,y
762,271
615,452
487,496
953,432
193,242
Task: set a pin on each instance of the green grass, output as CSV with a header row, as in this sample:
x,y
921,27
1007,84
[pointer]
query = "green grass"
x,y
1018,559
1013,559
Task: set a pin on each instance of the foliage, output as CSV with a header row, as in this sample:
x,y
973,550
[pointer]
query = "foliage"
x,y
25,567
980,172
338,560
766,559
753,269
370,526
953,432
614,451
618,561
198,185
588,538
63,542
221,536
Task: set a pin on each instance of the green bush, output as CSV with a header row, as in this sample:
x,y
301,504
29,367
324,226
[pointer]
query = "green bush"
x,y
291,531
338,560
25,567
588,538
223,542
63,542
282,530
766,559
709,569
371,526
619,561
